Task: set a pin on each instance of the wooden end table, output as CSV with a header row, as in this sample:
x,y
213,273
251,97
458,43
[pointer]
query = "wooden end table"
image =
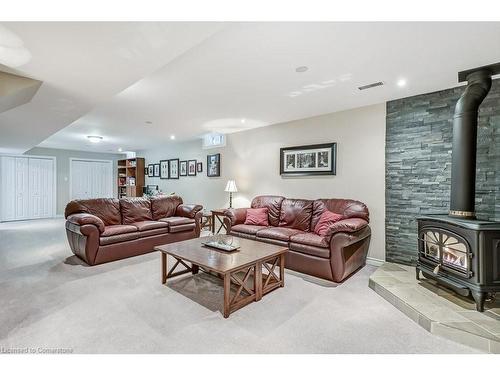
x,y
251,269
217,214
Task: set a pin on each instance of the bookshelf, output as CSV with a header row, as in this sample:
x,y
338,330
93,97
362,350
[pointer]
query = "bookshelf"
x,y
130,177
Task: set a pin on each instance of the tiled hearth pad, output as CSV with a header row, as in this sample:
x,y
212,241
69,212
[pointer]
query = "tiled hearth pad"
x,y
438,309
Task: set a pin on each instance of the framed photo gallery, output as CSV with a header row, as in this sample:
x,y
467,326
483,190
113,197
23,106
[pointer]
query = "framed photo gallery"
x,y
310,160
175,168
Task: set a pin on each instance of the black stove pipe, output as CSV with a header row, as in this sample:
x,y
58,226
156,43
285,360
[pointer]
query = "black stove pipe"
x,y
463,166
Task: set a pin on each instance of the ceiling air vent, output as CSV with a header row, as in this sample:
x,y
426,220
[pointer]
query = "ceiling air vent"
x,y
371,85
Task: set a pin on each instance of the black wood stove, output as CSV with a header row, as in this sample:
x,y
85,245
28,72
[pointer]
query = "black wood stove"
x,y
458,250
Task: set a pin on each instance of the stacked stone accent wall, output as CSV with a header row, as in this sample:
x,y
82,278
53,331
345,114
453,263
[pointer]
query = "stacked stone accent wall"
x,y
418,164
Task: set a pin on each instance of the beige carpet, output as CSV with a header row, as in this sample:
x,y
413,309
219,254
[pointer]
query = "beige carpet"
x,y
49,299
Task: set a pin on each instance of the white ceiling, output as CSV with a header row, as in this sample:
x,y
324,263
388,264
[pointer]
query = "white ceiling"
x,y
82,66
119,76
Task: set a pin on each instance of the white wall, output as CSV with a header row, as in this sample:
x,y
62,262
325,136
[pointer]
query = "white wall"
x,y
252,159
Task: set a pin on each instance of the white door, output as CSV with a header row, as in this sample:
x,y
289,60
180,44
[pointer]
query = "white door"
x,y
27,188
91,179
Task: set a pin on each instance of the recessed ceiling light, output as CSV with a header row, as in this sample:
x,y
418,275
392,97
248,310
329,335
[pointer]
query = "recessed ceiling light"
x,y
243,120
94,138
301,69
148,122
172,137
120,149
402,82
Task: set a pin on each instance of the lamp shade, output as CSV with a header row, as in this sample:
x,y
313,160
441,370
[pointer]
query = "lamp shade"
x,y
231,187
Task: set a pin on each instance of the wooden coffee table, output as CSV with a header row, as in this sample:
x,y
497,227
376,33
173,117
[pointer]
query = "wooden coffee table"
x,y
251,269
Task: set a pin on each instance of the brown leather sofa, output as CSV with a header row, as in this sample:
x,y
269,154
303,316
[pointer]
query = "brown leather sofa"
x,y
291,223
107,229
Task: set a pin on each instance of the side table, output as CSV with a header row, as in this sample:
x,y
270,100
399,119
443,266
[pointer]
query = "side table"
x,y
216,217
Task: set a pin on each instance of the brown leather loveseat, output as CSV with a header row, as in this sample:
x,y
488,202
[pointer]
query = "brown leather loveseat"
x,y
334,256
107,229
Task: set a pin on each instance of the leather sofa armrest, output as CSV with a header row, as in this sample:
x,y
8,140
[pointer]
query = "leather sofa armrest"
x,y
236,215
347,226
86,219
188,210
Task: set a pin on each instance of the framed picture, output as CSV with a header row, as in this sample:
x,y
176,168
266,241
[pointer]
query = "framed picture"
x,y
213,165
311,160
164,170
183,167
156,170
191,167
146,171
199,167
173,165
151,169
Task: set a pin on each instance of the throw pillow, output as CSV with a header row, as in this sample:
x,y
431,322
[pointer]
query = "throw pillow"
x,y
257,216
326,220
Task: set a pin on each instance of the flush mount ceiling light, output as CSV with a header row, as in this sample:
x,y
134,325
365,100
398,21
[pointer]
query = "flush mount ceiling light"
x,y
94,138
120,149
301,69
12,50
172,137
148,122
243,120
401,82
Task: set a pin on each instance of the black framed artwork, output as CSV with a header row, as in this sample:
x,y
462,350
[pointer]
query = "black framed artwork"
x,y
199,167
164,170
183,167
151,170
156,172
213,165
146,171
173,165
310,160
191,167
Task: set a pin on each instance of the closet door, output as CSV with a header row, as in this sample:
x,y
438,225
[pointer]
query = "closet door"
x,y
27,188
91,179
41,193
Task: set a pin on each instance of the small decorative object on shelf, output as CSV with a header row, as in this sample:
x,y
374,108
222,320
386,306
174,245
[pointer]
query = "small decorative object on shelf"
x,y
231,188
213,165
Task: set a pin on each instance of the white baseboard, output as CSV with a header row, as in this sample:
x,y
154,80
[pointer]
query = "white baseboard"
x,y
374,261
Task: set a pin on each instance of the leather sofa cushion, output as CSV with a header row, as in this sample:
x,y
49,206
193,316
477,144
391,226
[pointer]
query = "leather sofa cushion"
x,y
113,230
296,213
135,209
164,206
273,204
311,239
106,209
103,241
348,208
282,234
247,229
153,232
148,225
310,250
177,220
182,228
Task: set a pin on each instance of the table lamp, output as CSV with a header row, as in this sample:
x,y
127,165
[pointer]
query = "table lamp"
x,y
231,188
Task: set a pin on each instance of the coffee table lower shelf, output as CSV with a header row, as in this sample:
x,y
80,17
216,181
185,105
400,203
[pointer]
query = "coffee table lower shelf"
x,y
250,282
